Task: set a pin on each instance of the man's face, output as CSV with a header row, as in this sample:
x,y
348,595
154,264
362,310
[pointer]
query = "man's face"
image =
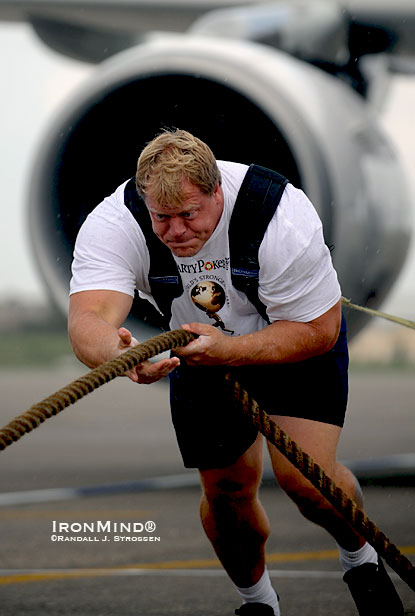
x,y
186,228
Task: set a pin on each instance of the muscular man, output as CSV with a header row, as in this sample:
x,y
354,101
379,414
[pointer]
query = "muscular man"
x,y
294,361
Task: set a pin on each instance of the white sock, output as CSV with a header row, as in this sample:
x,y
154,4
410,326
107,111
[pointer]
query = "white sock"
x,y
261,592
366,554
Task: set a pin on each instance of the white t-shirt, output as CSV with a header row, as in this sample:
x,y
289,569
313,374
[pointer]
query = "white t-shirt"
x,y
297,281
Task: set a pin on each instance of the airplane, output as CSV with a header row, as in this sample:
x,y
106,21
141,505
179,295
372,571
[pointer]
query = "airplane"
x,y
293,85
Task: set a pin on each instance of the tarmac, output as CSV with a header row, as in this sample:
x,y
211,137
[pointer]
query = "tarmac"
x,y
98,516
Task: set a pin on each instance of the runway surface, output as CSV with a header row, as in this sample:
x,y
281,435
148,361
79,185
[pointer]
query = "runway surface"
x,y
122,433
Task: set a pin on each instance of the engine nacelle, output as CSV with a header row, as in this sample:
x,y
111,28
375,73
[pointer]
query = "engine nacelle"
x,y
250,104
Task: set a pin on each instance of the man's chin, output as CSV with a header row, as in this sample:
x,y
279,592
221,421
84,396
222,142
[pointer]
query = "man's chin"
x,y
185,250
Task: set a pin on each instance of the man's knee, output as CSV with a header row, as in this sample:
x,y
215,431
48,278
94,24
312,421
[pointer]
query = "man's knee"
x,y
238,482
226,492
231,510
235,487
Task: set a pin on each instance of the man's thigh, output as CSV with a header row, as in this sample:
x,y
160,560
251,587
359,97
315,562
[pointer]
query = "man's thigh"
x,y
316,438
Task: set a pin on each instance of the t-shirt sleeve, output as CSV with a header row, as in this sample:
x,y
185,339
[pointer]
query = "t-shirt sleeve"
x,y
297,279
110,251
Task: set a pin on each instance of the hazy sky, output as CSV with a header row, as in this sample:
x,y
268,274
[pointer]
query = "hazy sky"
x,y
34,84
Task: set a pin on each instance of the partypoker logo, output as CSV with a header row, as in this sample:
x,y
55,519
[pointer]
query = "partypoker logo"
x,y
210,297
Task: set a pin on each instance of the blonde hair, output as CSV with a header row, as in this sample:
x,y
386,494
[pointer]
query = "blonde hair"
x,y
170,158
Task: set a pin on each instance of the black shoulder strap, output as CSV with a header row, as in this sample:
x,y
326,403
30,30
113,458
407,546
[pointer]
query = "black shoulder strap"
x,y
257,200
163,277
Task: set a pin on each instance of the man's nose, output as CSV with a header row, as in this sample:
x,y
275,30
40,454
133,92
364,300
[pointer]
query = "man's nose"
x,y
177,226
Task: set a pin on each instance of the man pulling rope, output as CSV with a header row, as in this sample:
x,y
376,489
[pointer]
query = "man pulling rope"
x,y
288,350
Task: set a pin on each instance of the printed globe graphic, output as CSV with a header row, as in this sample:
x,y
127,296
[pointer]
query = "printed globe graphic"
x,y
208,296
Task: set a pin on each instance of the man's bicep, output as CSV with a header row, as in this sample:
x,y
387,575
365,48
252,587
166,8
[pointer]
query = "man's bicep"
x,y
111,306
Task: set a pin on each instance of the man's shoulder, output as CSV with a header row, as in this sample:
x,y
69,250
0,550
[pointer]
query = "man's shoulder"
x,y
296,207
112,210
294,227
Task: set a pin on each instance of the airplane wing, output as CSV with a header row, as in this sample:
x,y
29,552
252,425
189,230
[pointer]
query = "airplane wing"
x,y
177,15
126,15
91,30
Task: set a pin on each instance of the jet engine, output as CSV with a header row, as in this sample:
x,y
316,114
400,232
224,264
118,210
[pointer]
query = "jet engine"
x,y
251,104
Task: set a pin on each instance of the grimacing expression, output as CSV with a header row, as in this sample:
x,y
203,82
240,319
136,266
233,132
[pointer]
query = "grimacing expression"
x,y
186,228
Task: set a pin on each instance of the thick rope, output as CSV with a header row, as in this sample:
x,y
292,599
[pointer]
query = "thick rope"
x,y
55,403
377,313
326,486
79,388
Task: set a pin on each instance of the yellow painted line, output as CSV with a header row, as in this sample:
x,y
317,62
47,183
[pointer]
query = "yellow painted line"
x,y
278,557
284,557
58,575
204,563
302,556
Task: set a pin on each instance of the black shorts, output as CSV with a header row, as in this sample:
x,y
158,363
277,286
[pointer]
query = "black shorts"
x,y
213,433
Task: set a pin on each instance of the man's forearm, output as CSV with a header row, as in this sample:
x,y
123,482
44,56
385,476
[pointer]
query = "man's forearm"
x,y
93,339
280,342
